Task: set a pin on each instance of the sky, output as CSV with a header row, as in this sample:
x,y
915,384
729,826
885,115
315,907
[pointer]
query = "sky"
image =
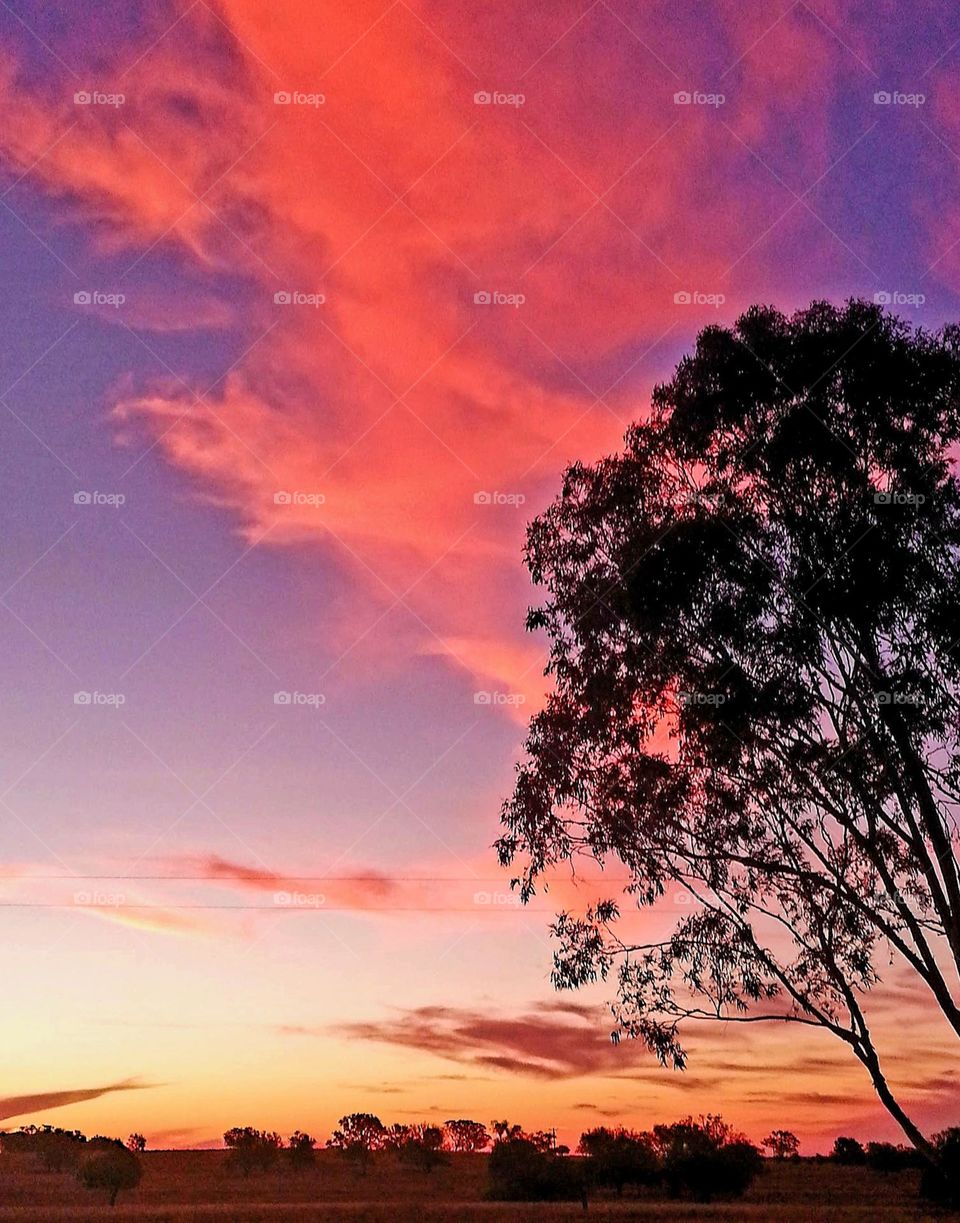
x,y
305,308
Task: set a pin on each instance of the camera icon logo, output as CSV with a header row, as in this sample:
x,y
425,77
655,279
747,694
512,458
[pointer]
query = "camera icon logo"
x,y
82,498
682,298
482,698
82,298
282,97
882,298
682,97
482,98
82,698
282,498
482,298
882,98
282,698
82,98
282,298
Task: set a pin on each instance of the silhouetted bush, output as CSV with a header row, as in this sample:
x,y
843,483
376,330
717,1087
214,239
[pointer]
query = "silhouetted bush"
x,y
706,1159
848,1151
619,1157
111,1167
520,1171
300,1149
252,1149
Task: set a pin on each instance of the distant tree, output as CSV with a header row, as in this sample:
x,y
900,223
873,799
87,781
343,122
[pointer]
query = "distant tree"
x,y
782,1144
848,1150
885,1157
252,1149
505,1132
136,1143
518,1170
56,1148
112,1168
620,1157
359,1136
706,1158
394,1136
464,1135
752,615
422,1147
300,1149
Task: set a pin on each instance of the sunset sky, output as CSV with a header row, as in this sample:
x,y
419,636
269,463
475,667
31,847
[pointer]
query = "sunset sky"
x,y
306,306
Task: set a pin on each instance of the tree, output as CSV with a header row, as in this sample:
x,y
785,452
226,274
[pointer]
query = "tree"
x,y
752,618
848,1151
422,1147
519,1170
252,1148
464,1135
706,1158
505,1132
620,1157
300,1149
782,1144
136,1143
111,1168
359,1135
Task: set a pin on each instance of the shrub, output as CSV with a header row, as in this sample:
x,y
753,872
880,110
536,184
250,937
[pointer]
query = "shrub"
x,y
619,1157
706,1159
848,1151
111,1168
520,1171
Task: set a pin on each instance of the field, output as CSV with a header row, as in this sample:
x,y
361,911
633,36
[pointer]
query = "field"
x,y
197,1187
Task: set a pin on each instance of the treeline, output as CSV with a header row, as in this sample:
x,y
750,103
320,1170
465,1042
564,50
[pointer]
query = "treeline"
x,y
108,1164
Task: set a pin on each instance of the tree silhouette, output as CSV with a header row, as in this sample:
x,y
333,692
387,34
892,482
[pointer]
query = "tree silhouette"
x,y
464,1135
300,1149
110,1167
136,1143
359,1135
252,1148
752,614
781,1144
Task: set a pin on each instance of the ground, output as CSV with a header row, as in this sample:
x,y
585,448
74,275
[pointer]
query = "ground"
x,y
197,1187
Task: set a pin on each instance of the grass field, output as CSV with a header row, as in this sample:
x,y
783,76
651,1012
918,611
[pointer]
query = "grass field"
x,y
197,1187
